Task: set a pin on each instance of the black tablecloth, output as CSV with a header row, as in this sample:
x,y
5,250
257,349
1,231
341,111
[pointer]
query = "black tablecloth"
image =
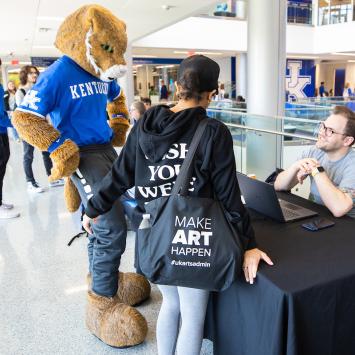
x,y
303,305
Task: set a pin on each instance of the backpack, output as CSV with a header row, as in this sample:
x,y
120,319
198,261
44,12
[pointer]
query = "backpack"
x,y
23,93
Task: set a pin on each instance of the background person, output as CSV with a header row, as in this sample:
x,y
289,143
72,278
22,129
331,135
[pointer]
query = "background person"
x,y
330,165
28,77
347,92
10,105
164,94
321,89
6,209
136,111
160,130
147,103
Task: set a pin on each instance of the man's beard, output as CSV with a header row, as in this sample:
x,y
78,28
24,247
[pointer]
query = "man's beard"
x,y
323,147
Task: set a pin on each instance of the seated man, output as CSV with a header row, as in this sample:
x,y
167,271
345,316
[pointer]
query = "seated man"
x,y
330,165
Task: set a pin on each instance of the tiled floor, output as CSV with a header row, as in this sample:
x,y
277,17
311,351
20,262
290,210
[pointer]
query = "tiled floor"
x,y
42,280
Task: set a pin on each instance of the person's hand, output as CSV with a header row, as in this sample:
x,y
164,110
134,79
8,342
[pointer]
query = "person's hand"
x,y
302,175
306,165
86,223
252,258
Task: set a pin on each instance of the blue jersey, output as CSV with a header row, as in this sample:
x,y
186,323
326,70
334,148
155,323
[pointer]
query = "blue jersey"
x,y
75,101
4,118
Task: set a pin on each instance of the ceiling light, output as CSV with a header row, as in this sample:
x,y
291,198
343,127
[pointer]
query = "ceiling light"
x,y
301,57
209,53
351,61
198,52
19,63
144,56
164,66
347,54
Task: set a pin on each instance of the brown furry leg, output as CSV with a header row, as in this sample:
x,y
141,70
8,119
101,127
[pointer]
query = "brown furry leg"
x,y
115,323
71,195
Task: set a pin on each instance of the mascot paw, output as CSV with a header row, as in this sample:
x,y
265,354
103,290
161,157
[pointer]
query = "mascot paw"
x,y
71,195
65,160
133,289
114,323
120,127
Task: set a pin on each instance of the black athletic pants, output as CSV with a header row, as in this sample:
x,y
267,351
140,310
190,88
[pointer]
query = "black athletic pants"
x,y
4,158
28,160
108,242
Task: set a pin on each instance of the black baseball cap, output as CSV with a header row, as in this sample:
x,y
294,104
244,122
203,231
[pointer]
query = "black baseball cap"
x,y
206,70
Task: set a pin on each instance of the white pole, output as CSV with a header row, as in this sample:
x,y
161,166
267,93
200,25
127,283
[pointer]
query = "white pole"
x,y
126,82
266,68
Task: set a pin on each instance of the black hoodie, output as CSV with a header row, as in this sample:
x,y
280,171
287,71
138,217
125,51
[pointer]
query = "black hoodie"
x,y
153,155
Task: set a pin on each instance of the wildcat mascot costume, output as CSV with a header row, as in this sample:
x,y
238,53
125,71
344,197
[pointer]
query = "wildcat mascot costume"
x,y
74,93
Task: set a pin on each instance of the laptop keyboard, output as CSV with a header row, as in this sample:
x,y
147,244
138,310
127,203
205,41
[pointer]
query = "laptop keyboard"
x,y
288,213
291,206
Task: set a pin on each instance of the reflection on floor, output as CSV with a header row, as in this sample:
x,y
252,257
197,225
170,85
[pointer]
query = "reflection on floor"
x,y
42,280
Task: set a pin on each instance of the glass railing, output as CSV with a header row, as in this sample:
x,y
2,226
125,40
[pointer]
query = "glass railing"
x,y
262,143
228,104
291,128
325,101
307,110
299,12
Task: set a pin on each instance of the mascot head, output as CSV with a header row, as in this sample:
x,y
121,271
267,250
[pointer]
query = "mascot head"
x,y
96,40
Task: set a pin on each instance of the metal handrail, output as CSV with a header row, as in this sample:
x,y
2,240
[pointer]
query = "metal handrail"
x,y
264,116
308,107
236,109
271,132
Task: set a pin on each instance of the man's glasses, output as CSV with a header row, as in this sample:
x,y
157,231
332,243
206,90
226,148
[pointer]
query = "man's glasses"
x,y
327,130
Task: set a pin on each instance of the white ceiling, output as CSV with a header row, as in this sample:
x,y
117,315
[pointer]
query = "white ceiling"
x,y
21,21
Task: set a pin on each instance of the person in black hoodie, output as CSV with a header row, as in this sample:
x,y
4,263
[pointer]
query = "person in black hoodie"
x,y
151,160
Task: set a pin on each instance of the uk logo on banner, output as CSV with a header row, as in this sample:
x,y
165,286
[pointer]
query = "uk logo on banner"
x,y
300,78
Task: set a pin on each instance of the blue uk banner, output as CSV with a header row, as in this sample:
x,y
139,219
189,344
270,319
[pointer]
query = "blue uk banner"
x,y
300,78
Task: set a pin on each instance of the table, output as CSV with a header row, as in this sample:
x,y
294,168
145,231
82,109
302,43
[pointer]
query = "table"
x,y
303,305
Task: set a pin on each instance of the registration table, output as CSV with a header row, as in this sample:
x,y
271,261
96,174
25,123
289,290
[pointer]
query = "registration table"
x,y
303,305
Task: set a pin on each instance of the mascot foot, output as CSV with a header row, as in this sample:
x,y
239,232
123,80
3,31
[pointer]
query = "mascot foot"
x,y
114,323
133,289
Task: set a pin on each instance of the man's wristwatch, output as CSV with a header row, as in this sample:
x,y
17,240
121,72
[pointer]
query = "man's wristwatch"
x,y
317,170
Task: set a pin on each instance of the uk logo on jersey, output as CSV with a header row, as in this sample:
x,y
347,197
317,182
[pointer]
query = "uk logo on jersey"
x,y
31,99
295,82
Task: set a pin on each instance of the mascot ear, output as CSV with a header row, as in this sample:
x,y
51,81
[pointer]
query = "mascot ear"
x,y
93,17
72,31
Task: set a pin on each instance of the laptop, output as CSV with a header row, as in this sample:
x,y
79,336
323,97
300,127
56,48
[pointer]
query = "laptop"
x,y
261,197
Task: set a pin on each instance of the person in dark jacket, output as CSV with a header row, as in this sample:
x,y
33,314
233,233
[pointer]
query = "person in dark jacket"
x,y
151,160
10,105
6,209
164,94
